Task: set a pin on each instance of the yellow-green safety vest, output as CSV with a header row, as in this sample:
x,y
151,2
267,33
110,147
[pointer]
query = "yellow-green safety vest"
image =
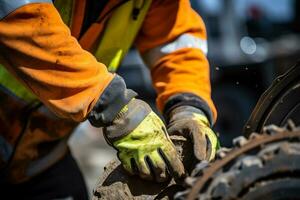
x,y
116,39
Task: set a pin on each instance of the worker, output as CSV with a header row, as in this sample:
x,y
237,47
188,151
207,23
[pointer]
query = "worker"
x,y
58,63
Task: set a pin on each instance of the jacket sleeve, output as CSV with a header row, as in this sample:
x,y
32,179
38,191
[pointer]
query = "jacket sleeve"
x,y
172,42
39,50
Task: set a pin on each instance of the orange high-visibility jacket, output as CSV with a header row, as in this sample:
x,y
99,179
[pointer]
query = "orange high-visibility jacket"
x,y
39,49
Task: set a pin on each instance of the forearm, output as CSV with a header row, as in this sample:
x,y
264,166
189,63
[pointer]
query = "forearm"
x,y
184,72
39,50
175,51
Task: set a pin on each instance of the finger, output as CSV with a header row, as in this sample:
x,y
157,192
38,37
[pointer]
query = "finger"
x,y
200,144
143,169
174,164
127,165
213,144
208,149
158,167
134,166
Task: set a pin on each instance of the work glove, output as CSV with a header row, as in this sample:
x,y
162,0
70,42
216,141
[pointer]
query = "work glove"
x,y
143,145
192,123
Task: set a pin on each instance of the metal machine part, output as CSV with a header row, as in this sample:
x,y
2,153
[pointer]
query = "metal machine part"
x,y
265,166
278,104
116,184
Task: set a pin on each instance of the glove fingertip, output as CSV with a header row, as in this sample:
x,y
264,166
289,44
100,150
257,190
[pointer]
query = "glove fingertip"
x,y
200,146
134,167
175,166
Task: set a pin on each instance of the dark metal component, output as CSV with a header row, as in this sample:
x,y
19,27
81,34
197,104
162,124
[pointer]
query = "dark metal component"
x,y
239,141
118,185
287,188
278,104
253,171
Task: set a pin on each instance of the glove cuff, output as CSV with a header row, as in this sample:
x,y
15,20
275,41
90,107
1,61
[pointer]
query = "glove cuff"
x,y
187,99
131,116
111,102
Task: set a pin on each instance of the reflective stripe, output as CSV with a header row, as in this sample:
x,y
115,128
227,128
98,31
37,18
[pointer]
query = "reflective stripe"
x,y
120,32
183,41
8,6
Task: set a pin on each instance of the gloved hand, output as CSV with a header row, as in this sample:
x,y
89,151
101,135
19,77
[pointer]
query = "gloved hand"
x,y
192,123
143,145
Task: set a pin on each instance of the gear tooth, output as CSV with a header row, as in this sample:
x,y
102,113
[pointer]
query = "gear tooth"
x,y
221,153
264,153
220,190
254,136
198,171
251,161
290,125
181,195
189,181
273,129
239,141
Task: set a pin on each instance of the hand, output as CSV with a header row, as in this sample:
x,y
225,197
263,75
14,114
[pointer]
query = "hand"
x,y
143,145
192,123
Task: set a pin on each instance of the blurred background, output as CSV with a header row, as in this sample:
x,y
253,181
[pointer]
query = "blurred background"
x,y
250,42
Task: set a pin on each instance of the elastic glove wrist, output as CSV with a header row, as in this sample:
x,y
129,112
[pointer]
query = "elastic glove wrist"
x,y
187,99
111,101
128,119
189,112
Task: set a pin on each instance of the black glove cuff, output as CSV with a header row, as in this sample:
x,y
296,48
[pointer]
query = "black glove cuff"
x,y
187,99
110,103
136,113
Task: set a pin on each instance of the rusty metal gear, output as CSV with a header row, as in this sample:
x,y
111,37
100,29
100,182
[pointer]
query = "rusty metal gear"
x,y
265,166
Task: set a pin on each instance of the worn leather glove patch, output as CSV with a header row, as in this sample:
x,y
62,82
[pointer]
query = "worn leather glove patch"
x,y
191,123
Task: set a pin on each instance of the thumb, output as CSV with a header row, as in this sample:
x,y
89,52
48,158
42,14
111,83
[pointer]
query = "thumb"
x,y
200,143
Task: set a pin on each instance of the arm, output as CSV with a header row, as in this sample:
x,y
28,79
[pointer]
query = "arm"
x,y
173,44
38,49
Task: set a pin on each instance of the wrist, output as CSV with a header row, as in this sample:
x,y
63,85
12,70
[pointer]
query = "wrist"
x,y
114,98
188,113
194,103
127,120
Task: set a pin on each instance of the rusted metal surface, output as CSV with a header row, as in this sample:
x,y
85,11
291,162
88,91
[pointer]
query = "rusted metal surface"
x,y
265,166
256,168
118,185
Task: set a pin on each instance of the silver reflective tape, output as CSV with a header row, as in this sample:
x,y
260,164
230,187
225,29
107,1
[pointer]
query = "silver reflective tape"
x,y
8,6
183,41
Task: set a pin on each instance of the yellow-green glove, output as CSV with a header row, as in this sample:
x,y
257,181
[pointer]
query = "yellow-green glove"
x,y
192,123
143,145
